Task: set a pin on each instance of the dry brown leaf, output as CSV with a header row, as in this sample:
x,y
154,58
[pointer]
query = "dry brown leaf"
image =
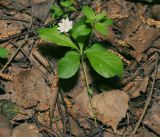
x,y
156,11
143,38
140,85
9,28
5,129
81,101
25,130
75,129
110,107
41,8
138,56
116,9
29,89
18,5
24,114
149,68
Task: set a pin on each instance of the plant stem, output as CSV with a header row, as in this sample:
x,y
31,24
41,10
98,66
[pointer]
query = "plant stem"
x,y
90,39
84,72
87,85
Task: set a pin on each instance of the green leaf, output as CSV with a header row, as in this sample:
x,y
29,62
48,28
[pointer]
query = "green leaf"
x,y
68,65
65,15
57,11
3,53
80,22
90,21
81,45
53,35
82,30
95,47
101,28
100,16
108,21
71,8
81,42
104,63
66,4
88,12
80,39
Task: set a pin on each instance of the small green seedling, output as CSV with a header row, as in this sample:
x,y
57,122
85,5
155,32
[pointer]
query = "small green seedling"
x,y
3,53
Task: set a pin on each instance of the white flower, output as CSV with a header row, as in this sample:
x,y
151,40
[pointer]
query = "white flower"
x,y
65,25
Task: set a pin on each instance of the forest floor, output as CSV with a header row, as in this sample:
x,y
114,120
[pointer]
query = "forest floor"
x,y
34,102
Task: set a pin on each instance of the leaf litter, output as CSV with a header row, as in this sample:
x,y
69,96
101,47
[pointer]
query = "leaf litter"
x,y
135,36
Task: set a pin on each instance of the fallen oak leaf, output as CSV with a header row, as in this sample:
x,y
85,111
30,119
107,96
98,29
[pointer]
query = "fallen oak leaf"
x,y
110,107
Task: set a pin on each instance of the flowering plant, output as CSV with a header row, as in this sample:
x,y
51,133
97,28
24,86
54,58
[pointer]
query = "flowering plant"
x,y
79,39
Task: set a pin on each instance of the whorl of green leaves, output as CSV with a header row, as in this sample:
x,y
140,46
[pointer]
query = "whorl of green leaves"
x,y
102,61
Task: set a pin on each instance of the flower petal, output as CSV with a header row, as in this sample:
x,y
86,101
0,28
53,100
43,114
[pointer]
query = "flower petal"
x,y
67,20
60,24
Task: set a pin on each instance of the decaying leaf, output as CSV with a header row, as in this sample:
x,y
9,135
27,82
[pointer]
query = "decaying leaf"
x,y
76,129
143,38
110,107
29,89
23,114
25,130
82,100
41,8
149,68
11,29
140,85
8,109
5,129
